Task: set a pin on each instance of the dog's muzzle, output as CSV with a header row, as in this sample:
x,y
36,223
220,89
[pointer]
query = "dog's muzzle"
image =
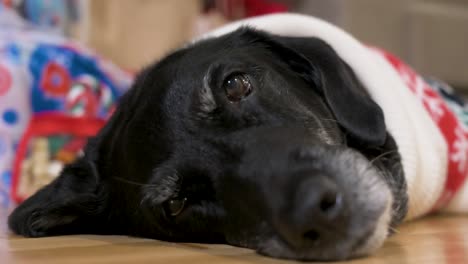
x,y
319,201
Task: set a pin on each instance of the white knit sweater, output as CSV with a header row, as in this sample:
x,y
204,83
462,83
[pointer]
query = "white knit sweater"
x,y
420,142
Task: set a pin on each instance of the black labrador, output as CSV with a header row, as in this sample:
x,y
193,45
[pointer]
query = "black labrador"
x,y
249,139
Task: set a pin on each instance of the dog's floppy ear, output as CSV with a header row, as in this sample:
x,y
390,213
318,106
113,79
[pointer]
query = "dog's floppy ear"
x,y
75,202
79,199
317,62
70,204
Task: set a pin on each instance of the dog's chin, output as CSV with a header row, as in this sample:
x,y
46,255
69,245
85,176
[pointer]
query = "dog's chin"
x,y
378,236
358,246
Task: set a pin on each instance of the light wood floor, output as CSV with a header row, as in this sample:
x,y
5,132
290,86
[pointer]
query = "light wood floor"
x,y
432,240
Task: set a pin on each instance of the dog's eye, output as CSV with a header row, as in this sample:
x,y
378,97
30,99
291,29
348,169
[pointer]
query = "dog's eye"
x,y
174,207
237,87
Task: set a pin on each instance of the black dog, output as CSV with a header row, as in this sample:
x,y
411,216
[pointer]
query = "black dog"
x,y
249,139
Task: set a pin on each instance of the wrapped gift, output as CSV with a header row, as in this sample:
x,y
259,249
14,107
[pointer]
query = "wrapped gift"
x,y
54,94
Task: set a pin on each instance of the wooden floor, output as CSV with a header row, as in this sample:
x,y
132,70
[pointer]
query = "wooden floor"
x,y
432,240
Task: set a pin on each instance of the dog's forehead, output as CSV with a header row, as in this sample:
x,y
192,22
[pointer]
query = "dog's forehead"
x,y
236,45
189,65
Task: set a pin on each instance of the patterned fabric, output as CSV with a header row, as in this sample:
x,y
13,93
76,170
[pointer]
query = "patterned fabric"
x,y
54,94
450,114
454,101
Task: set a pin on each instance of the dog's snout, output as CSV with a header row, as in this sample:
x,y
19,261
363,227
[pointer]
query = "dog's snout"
x,y
315,214
308,195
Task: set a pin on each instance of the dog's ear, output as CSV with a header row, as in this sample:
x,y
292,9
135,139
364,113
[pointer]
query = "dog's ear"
x,y
72,203
80,199
316,62
77,201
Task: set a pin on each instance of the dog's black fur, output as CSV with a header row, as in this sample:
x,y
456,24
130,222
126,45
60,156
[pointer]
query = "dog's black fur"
x,y
255,170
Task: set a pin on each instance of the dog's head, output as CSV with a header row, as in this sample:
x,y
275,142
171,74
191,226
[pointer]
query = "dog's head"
x,y
250,139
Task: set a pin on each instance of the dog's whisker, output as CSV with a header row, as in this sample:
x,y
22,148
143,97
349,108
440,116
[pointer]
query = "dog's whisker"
x,y
133,182
382,155
328,119
394,230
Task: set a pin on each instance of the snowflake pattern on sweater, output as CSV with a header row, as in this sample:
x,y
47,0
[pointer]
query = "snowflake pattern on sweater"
x,y
450,114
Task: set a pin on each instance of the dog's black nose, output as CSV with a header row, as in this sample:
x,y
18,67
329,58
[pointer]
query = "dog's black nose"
x,y
314,215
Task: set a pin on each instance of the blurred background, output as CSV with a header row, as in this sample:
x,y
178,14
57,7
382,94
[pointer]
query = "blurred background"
x,y
431,35
94,47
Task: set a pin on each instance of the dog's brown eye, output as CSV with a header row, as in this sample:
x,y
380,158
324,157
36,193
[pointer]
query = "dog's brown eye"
x,y
237,87
175,206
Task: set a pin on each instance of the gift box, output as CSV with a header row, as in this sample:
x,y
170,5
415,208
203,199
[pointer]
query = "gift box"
x,y
54,95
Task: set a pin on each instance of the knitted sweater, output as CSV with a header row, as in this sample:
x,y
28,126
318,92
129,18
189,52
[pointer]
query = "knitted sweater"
x,y
432,141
